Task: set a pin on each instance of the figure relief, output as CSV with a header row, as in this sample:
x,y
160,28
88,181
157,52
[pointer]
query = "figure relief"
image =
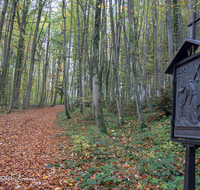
x,y
187,99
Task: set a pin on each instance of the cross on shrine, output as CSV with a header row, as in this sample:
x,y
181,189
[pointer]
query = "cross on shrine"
x,y
193,24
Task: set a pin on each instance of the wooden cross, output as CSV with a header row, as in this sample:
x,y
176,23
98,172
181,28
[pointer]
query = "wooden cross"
x,y
193,24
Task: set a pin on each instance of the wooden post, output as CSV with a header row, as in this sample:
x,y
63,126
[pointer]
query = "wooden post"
x,y
189,177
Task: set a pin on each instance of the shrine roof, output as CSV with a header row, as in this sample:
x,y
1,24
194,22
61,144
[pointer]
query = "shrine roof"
x,y
182,53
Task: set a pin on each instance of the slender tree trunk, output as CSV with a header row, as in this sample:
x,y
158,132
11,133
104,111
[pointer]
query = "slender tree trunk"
x,y
79,63
182,26
115,44
137,97
14,101
97,72
57,76
156,40
64,60
34,44
45,68
127,63
3,16
69,52
176,25
144,59
7,57
192,8
169,29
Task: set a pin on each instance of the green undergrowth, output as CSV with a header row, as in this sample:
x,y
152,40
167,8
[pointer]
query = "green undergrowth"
x,y
126,158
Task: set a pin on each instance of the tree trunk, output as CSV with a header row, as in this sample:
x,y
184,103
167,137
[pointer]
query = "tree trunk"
x,y
7,57
144,59
115,45
176,25
155,23
45,67
3,16
79,64
97,72
14,101
137,97
169,29
64,60
34,44
127,54
57,76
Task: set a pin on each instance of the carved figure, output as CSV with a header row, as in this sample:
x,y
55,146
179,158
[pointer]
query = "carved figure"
x,y
181,102
192,116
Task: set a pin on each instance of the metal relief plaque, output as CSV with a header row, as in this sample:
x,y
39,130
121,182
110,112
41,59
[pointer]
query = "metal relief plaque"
x,y
187,106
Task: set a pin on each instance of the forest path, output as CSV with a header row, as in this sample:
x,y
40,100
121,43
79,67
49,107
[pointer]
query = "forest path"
x,y
27,146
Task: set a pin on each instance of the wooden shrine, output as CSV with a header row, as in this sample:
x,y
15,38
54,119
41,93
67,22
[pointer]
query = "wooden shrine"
x,y
185,123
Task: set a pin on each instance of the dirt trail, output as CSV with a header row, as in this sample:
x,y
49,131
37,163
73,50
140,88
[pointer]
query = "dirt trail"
x,y
27,146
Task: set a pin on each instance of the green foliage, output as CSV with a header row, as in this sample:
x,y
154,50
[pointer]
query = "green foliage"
x,y
125,156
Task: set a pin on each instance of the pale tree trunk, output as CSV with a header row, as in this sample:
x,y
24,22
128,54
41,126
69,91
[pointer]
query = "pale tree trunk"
x,y
4,51
14,101
86,56
79,63
155,23
68,65
115,44
137,97
3,16
169,29
45,67
34,44
144,59
7,57
127,54
64,60
53,79
176,25
97,72
25,72
182,25
192,8
38,87
57,77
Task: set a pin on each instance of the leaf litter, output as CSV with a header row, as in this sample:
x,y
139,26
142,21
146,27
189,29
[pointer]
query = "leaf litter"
x,y
28,145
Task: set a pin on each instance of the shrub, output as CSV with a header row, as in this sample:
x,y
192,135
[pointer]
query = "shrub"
x,y
164,101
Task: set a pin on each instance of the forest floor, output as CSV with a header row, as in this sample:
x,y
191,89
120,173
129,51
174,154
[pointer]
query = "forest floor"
x,y
27,147
42,149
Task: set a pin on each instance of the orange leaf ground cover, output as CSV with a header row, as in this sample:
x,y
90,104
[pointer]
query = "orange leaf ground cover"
x,y
28,144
